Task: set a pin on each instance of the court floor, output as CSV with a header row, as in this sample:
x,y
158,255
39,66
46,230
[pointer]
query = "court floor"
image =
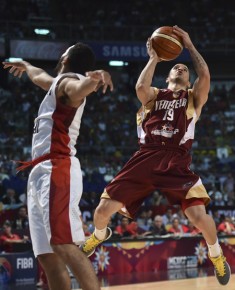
x,y
198,283
177,280
203,283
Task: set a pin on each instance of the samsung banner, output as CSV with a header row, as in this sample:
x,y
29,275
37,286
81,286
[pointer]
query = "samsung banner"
x,y
119,51
126,51
49,50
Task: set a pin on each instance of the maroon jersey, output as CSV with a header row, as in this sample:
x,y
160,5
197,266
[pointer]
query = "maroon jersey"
x,y
166,131
169,119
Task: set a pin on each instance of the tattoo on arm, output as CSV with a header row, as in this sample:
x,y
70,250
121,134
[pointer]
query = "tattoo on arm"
x,y
198,61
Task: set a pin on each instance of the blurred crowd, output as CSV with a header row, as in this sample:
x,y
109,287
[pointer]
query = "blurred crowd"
x,y
172,224
119,20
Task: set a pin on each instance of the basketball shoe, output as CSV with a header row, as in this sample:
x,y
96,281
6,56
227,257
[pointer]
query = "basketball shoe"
x,y
222,269
88,248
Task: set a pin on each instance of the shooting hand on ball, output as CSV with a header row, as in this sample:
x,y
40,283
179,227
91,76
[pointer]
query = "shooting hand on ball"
x,y
184,35
151,52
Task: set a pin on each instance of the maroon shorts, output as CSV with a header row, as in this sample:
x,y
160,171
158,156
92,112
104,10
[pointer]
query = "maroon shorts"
x,y
166,170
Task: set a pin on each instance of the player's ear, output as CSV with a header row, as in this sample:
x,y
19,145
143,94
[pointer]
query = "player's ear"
x,y
167,80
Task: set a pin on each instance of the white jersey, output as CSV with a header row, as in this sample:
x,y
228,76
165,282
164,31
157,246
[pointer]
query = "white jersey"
x,y
56,128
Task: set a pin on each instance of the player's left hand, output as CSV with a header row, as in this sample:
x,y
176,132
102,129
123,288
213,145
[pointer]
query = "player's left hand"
x,y
103,77
184,35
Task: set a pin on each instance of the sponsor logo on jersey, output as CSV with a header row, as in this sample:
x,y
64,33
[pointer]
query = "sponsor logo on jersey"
x,y
166,131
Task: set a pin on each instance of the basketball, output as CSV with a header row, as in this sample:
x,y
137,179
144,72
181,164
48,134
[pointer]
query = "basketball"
x,y
166,43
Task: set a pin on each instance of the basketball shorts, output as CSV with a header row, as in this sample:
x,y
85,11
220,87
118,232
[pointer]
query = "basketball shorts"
x,y
166,170
54,192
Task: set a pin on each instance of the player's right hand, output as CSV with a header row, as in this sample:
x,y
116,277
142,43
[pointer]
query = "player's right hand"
x,y
184,35
17,67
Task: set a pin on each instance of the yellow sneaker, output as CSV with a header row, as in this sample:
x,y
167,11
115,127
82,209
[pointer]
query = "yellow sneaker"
x,y
222,269
92,242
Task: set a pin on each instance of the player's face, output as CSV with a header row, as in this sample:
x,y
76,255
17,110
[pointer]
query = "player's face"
x,y
67,51
64,55
179,72
59,65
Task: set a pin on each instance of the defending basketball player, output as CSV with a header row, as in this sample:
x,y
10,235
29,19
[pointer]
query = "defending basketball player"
x,y
55,182
166,124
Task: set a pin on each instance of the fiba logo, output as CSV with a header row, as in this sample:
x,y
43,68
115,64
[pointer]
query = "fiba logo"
x,y
24,263
5,271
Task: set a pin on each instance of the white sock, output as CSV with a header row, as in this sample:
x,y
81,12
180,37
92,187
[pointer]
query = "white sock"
x,y
101,234
214,250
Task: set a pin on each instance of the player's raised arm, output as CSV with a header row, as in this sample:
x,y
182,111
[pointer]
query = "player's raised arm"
x,y
201,86
76,90
144,91
37,75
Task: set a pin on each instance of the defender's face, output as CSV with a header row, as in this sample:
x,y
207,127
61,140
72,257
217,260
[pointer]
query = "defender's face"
x,y
60,63
67,52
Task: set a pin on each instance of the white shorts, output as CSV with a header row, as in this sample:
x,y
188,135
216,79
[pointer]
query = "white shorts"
x,y
54,192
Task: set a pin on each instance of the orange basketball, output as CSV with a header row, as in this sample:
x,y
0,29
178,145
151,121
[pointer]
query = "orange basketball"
x,y
166,43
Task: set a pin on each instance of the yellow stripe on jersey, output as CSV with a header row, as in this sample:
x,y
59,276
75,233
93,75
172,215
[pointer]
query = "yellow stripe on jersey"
x,y
144,110
105,195
198,191
190,110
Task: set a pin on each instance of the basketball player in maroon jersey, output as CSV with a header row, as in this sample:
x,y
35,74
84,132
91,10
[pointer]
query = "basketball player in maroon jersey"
x,y
166,124
55,182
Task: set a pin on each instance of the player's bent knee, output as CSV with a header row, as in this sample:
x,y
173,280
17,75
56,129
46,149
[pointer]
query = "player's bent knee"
x,y
59,249
48,261
107,207
102,211
64,248
44,258
197,219
195,216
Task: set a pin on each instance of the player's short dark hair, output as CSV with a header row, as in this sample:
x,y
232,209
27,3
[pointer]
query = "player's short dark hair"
x,y
81,59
